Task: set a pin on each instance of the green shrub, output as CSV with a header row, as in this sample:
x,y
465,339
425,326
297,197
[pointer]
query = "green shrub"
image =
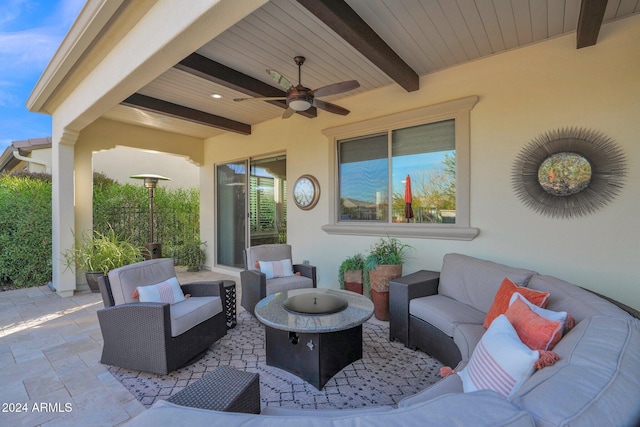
x,y
25,222
25,229
125,208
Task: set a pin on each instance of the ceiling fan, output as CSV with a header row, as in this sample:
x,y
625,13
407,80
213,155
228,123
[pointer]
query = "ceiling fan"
x,y
300,98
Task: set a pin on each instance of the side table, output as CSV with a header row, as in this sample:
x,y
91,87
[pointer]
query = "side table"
x,y
224,389
230,303
401,292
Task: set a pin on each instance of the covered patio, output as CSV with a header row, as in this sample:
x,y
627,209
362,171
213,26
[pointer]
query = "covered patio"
x,y
490,76
141,74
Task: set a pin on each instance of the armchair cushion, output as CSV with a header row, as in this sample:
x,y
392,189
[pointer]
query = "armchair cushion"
x,y
191,312
168,291
125,280
282,284
273,252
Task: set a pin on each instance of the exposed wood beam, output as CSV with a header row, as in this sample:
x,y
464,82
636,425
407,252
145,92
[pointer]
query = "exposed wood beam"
x,y
215,72
590,21
159,106
339,16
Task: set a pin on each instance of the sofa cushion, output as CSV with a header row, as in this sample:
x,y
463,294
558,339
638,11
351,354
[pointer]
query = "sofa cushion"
x,y
474,281
449,384
467,336
500,361
444,312
480,409
573,299
503,297
596,380
282,284
191,312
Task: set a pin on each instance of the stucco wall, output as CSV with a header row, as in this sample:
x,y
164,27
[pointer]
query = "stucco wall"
x,y
523,93
122,162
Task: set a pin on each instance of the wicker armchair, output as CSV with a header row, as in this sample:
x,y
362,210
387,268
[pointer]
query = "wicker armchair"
x,y
152,336
256,286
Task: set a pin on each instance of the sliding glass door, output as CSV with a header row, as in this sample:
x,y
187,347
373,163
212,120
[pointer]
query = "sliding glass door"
x,y
231,179
255,189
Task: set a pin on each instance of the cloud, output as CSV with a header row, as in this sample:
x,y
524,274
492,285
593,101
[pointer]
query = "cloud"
x,y
31,33
27,51
10,10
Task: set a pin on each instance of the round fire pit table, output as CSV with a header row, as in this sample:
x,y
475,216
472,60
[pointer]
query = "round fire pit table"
x,y
313,346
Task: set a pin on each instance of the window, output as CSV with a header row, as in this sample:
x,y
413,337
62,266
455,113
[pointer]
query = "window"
x,y
429,147
422,165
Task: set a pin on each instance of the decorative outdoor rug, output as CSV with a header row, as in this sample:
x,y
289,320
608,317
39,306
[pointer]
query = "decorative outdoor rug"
x,y
386,373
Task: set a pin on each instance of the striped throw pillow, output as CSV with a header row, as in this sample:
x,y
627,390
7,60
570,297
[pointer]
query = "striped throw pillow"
x,y
168,291
273,269
500,361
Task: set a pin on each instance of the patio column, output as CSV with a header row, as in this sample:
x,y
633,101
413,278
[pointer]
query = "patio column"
x,y
62,208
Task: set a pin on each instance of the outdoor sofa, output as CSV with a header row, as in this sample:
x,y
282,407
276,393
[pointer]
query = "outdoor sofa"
x,y
595,382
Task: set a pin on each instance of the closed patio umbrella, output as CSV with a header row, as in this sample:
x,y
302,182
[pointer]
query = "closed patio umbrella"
x,y
408,199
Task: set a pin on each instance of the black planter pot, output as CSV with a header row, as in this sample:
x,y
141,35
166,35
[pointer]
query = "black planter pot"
x,y
92,280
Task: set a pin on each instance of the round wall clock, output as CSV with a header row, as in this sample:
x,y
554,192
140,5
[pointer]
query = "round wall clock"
x,y
306,192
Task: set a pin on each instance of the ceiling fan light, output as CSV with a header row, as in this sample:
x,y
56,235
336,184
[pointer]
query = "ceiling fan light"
x,y
299,104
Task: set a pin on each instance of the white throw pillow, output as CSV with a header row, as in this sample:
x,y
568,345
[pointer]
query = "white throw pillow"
x,y
168,291
273,269
500,361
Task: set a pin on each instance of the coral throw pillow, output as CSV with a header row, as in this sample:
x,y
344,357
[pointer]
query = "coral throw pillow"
x,y
535,331
568,322
500,362
503,296
168,291
273,269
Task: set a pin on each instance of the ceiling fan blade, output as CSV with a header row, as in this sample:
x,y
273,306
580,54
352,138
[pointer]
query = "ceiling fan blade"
x,y
336,88
266,98
288,113
280,79
332,108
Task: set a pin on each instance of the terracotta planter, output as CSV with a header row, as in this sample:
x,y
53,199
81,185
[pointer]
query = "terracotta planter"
x,y
92,281
379,282
380,276
353,281
380,304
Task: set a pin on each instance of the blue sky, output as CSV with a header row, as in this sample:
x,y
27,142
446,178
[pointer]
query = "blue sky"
x,y
30,33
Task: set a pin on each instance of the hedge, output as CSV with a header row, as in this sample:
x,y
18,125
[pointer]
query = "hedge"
x,y
25,222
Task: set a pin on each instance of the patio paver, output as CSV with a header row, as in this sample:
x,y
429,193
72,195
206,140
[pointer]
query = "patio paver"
x,y
50,351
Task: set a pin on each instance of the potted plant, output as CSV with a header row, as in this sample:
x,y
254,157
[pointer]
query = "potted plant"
x,y
350,273
384,263
96,253
193,255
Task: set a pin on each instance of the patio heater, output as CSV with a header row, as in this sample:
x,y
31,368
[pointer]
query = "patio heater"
x,y
154,249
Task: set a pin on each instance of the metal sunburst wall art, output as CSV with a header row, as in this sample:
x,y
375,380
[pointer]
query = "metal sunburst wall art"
x,y
568,173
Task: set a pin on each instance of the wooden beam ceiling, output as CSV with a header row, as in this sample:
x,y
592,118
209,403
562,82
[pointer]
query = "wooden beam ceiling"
x,y
339,16
590,21
159,106
215,72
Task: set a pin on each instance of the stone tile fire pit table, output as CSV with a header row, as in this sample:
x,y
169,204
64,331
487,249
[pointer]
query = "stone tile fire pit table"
x,y
313,333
